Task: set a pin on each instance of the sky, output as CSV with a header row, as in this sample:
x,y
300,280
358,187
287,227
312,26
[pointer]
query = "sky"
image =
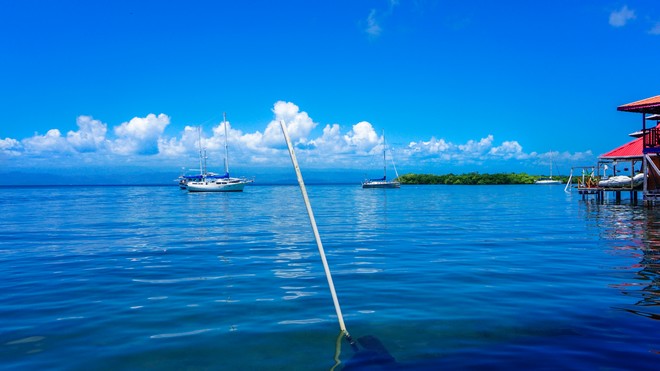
x,y
120,87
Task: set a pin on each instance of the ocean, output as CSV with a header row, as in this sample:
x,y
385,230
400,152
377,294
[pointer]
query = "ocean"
x,y
444,277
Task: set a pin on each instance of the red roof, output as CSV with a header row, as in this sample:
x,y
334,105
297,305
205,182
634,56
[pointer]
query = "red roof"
x,y
631,149
648,105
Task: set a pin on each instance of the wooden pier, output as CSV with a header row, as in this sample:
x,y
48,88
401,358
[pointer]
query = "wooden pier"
x,y
600,194
591,182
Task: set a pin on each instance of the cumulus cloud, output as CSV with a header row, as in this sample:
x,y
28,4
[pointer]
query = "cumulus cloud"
x,y
362,137
335,146
565,157
478,151
474,148
51,142
177,147
345,149
10,147
140,135
298,124
90,136
331,141
620,18
432,146
508,150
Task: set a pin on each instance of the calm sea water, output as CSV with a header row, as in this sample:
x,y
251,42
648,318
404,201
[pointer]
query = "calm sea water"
x,y
446,277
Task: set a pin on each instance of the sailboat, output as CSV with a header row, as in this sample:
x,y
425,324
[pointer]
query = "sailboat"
x,y
383,182
548,181
210,182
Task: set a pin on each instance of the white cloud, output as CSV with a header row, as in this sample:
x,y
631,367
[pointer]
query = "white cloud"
x,y
375,18
176,148
143,140
621,17
331,141
567,157
140,135
432,146
508,150
363,138
10,147
51,142
90,136
475,149
298,124
478,151
655,30
373,27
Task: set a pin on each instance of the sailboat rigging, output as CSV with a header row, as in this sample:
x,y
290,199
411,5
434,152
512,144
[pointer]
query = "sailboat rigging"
x,y
548,180
209,182
383,182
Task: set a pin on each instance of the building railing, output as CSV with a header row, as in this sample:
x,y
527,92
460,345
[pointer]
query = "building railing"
x,y
652,138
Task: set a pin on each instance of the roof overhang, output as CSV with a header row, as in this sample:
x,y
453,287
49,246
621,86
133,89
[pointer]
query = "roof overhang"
x,y
620,158
648,105
629,151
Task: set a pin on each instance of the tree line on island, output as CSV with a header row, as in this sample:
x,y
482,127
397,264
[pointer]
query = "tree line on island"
x,y
473,178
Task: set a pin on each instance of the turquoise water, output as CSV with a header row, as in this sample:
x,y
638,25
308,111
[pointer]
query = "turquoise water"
x,y
454,277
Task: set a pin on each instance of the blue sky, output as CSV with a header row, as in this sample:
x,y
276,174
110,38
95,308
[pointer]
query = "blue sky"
x,y
119,86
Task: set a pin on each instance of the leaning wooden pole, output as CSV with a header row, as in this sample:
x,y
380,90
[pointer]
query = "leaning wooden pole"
x,y
303,190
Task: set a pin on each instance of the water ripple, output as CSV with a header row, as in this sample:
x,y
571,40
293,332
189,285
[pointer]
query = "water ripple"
x,y
519,275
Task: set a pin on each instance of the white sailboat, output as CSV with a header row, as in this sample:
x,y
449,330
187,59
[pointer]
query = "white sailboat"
x,y
383,182
548,181
210,182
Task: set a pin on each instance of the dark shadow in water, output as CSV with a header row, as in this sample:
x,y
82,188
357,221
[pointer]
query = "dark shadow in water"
x,y
650,269
636,230
368,354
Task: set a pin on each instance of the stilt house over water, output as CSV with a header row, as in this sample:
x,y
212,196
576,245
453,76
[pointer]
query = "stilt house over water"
x,y
649,141
633,167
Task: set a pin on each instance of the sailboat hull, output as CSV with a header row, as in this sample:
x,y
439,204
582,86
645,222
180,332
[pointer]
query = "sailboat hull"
x,y
216,186
209,182
547,181
381,184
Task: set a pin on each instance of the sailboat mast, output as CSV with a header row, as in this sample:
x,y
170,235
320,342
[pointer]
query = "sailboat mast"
x,y
384,161
224,120
550,164
551,168
201,167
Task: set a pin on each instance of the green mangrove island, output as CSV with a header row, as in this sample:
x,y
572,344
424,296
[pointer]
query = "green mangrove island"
x,y
474,178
